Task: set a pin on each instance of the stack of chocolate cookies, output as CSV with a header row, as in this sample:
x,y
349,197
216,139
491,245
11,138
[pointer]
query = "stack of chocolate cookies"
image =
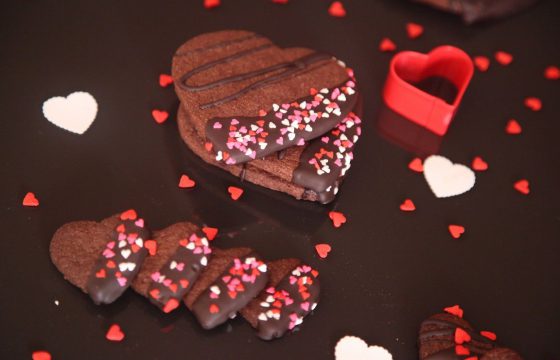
x,y
177,264
284,119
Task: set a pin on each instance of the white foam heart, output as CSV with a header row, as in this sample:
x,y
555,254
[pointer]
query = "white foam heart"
x,y
74,113
447,179
353,348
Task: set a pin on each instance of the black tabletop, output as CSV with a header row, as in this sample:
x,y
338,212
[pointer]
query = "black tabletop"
x,y
388,270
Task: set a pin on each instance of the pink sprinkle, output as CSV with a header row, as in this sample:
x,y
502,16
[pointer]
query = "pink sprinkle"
x,y
280,141
325,139
218,125
305,306
155,276
139,223
301,142
234,122
122,281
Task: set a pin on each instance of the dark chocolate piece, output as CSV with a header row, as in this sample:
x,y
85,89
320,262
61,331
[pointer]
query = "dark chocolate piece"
x,y
286,304
238,139
244,278
174,279
120,260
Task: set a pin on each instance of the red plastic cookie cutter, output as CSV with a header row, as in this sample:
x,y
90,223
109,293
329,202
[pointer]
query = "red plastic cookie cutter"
x,y
408,68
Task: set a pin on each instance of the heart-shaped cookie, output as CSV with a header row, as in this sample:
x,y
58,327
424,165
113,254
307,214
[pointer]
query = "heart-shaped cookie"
x,y
447,336
447,179
101,258
281,118
352,348
74,113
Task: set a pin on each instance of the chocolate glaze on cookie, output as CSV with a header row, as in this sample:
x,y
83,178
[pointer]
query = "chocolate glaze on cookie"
x,y
243,99
286,304
244,278
176,277
119,261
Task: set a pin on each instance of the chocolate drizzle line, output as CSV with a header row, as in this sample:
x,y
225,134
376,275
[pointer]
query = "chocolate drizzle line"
x,y
176,277
289,68
232,291
120,260
478,345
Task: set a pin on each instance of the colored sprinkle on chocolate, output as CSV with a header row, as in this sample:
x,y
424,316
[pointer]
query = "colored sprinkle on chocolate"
x,y
482,63
114,333
414,30
160,115
30,200
337,9
416,165
337,218
235,192
513,127
522,186
454,310
165,80
407,205
503,58
186,182
533,103
456,231
479,164
387,45
41,355
323,250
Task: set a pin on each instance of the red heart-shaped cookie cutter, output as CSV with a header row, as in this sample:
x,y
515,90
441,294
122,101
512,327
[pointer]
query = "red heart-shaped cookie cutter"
x,y
409,68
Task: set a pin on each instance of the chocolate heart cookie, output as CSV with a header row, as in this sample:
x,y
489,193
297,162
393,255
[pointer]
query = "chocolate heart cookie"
x,y
281,118
104,258
449,337
101,258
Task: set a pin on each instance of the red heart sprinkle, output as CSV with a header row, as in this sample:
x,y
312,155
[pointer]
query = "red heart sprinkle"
x,y
323,250
100,274
210,232
489,335
503,58
387,45
235,192
552,73
208,146
115,333
129,215
170,305
482,63
185,182
165,80
533,103
414,30
454,310
214,309
337,218
513,127
408,205
461,350
30,200
41,355
472,358
456,231
337,9
210,4
479,165
461,336
522,186
154,293
151,245
416,165
160,115
280,1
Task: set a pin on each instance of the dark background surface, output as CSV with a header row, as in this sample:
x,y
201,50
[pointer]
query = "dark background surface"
x,y
388,270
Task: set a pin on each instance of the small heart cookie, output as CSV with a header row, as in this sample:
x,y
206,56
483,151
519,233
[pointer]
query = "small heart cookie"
x,y
74,113
447,179
353,348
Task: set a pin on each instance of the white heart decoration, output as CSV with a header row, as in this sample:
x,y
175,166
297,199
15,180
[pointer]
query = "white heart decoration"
x,y
354,348
74,113
447,179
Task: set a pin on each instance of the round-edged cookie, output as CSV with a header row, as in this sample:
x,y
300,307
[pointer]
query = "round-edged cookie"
x,y
101,258
246,101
